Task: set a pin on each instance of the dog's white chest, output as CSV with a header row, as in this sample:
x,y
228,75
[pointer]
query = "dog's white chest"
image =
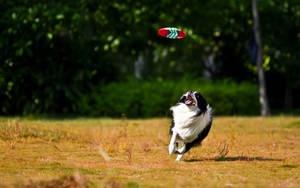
x,y
186,123
183,116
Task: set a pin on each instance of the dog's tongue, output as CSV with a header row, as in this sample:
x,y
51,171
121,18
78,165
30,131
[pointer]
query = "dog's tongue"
x,y
189,100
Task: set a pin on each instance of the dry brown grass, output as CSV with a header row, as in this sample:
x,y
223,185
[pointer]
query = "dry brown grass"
x,y
238,152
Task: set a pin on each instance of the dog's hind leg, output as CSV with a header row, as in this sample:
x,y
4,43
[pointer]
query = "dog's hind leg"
x,y
179,156
181,151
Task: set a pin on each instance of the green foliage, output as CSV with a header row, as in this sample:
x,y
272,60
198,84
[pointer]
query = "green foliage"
x,y
154,98
46,58
54,52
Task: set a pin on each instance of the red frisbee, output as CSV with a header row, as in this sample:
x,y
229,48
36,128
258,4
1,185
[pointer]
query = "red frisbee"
x,y
171,33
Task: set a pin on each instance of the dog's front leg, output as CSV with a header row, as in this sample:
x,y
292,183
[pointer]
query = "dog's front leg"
x,y
172,145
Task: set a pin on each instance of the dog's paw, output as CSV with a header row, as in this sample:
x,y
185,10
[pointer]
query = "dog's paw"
x,y
179,156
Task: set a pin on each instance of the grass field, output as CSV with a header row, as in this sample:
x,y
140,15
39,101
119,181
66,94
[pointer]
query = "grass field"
x,y
238,152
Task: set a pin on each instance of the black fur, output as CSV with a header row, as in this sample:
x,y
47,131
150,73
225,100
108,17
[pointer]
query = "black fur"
x,y
201,102
200,137
171,127
182,99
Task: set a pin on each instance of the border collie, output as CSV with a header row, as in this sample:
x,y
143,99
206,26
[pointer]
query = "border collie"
x,y
192,119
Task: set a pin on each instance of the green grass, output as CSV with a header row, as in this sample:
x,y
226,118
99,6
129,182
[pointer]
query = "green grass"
x,y
238,152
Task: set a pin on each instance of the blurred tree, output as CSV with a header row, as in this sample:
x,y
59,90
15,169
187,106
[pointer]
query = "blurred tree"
x,y
281,47
265,110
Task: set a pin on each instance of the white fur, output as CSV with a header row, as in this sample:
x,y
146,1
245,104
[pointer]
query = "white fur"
x,y
172,146
186,124
179,156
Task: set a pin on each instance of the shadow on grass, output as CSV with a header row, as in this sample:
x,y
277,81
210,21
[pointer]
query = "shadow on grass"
x,y
237,158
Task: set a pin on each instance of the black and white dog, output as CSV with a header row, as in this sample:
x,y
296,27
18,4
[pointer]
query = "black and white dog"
x,y
192,119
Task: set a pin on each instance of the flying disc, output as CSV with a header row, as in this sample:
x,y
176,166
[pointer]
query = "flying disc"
x,y
171,33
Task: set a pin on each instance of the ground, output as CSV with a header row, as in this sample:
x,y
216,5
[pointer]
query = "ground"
x,y
238,152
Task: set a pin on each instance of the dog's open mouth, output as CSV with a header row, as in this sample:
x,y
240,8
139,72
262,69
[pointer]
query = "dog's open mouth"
x,y
189,100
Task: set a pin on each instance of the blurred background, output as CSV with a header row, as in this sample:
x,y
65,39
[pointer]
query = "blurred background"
x,y
105,58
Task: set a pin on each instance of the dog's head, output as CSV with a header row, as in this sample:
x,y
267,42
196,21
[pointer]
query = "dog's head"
x,y
193,99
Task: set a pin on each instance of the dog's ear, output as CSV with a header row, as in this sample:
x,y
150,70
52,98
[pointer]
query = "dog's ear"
x,y
201,101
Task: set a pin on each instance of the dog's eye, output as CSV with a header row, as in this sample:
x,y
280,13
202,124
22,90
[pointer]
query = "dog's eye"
x,y
182,99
